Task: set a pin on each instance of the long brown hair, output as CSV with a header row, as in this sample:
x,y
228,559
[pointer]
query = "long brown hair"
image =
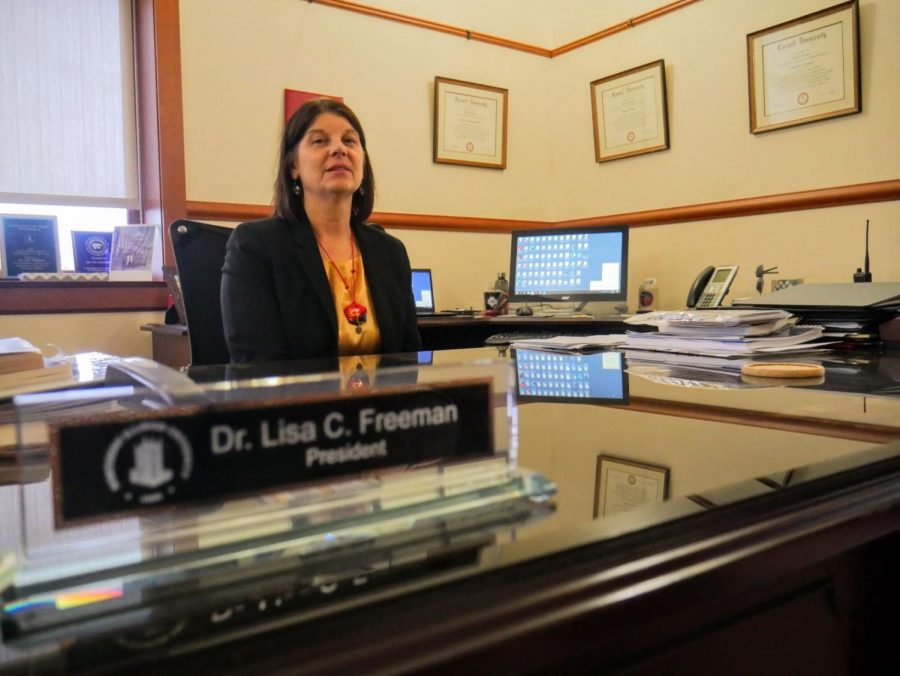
x,y
290,206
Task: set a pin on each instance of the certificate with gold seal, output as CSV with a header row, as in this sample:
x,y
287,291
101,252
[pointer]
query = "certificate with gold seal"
x,y
469,123
624,485
630,114
805,70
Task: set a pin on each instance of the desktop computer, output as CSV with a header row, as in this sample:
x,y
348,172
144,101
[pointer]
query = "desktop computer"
x,y
558,271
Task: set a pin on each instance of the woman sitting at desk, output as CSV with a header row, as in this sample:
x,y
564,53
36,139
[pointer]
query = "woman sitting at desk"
x,y
316,280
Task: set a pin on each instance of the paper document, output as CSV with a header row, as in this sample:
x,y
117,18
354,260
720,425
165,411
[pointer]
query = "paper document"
x,y
723,345
720,363
708,318
572,343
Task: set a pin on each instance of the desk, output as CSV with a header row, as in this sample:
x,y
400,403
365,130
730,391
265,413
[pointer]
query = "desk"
x,y
169,344
443,333
775,553
172,347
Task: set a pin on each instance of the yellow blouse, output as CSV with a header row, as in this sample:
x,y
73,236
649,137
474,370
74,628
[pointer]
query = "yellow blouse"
x,y
350,342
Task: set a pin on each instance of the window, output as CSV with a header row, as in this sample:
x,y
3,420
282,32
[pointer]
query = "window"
x,y
68,122
69,219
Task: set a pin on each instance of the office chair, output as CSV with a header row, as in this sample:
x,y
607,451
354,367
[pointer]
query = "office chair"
x,y
199,254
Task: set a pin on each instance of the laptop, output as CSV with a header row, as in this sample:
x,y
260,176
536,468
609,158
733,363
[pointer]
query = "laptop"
x,y
423,293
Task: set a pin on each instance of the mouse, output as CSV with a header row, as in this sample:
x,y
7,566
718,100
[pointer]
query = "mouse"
x,y
525,311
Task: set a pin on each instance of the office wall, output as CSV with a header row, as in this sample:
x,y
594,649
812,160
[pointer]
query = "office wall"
x,y
713,156
113,333
237,57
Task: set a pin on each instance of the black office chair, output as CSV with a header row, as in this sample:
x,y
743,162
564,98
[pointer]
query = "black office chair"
x,y
199,254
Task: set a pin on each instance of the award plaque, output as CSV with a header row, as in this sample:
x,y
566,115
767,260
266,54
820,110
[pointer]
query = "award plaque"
x,y
29,244
91,250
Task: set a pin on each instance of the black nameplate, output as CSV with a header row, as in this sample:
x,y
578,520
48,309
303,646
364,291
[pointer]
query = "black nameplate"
x,y
114,465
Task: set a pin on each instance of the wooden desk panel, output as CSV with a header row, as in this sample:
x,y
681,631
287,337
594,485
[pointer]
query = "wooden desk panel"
x,y
170,344
447,333
172,347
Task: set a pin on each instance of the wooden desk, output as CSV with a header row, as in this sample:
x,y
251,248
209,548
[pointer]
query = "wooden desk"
x,y
775,553
172,347
447,333
170,344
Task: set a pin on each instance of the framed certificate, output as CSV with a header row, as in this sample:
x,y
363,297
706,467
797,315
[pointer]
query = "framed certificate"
x,y
469,123
805,70
630,114
623,485
28,244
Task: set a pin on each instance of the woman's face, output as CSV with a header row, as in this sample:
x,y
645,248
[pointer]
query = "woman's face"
x,y
329,159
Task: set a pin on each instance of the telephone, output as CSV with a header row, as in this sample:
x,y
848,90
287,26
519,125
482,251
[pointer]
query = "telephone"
x,y
711,285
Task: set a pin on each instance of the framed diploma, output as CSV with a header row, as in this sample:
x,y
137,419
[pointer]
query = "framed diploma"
x,y
469,123
28,244
630,114
805,70
623,485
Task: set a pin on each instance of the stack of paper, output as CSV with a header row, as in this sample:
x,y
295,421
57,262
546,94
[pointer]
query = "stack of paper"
x,y
706,338
717,322
22,369
571,343
724,334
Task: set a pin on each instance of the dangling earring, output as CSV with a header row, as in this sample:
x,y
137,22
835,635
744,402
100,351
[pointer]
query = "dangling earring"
x,y
362,190
296,189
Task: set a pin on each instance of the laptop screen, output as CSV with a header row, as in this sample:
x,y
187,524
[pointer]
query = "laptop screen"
x,y
422,290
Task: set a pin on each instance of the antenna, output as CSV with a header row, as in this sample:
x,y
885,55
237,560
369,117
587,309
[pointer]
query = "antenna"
x,y
859,275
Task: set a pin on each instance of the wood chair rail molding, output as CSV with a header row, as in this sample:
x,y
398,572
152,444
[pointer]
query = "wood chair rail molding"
x,y
879,191
838,429
499,41
28,298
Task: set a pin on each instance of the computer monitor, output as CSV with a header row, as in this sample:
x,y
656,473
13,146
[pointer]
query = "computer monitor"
x,y
581,378
580,265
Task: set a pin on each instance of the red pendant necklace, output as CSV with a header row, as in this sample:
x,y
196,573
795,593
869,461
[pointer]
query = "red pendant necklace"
x,y
356,313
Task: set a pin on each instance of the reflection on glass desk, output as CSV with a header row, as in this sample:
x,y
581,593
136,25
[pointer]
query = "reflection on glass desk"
x,y
783,514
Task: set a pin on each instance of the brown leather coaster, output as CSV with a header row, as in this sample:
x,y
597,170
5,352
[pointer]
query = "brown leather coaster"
x,y
783,369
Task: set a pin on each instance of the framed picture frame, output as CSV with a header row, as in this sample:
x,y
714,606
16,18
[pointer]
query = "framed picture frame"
x,y
470,123
623,485
135,254
806,69
294,98
28,244
630,112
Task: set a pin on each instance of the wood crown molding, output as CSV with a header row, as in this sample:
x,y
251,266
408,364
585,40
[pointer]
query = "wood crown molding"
x,y
878,191
503,42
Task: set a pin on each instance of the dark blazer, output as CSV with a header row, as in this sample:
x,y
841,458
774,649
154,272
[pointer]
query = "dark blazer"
x,y
277,303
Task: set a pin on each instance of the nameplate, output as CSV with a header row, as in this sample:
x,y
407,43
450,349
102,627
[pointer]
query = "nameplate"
x,y
118,465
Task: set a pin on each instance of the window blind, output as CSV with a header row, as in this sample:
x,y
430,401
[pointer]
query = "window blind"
x,y
67,118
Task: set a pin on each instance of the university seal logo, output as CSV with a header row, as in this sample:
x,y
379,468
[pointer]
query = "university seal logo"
x,y
147,462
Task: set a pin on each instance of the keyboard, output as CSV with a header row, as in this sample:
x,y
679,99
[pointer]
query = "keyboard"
x,y
513,336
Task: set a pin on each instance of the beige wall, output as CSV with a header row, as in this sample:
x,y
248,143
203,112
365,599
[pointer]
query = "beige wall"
x,y
238,56
115,333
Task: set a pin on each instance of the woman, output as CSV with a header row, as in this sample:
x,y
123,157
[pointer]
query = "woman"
x,y
315,280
